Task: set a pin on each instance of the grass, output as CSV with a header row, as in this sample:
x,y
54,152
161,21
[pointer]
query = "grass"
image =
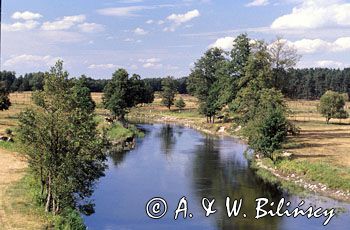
x,y
320,153
21,209
330,175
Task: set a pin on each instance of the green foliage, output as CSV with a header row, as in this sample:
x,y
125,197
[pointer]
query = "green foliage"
x,y
267,131
240,54
180,104
83,95
122,93
203,81
61,142
118,132
169,89
5,102
70,219
332,106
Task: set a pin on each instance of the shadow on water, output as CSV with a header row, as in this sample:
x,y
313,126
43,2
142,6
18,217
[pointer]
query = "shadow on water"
x,y
173,161
214,177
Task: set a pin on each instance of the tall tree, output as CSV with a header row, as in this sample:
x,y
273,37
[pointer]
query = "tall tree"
x,y
62,143
203,77
115,94
169,90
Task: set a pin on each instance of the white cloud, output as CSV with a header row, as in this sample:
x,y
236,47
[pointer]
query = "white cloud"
x,y
91,27
30,60
329,64
26,15
309,46
151,63
65,23
258,3
150,21
182,18
225,43
19,26
313,14
128,11
140,31
178,19
102,66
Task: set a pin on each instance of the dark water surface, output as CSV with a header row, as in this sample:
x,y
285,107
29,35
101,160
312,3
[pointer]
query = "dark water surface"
x,y
172,162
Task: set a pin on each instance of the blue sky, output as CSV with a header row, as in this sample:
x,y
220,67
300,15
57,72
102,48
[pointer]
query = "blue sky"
x,y
160,38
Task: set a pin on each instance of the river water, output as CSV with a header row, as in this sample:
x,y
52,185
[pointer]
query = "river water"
x,y
172,162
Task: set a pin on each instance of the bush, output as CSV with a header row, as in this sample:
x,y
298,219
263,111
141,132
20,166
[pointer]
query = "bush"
x,y
332,105
267,132
70,220
180,104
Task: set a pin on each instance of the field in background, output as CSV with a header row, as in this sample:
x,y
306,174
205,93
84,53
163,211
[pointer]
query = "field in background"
x,y
317,143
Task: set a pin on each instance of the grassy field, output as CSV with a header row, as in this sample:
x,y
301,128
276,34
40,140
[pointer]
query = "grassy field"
x,y
320,153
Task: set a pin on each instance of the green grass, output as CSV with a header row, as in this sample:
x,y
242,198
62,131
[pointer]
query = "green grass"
x,y
10,146
118,132
268,177
333,177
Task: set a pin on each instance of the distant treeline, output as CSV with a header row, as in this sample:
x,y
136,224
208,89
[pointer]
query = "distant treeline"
x,y
35,81
295,84
311,83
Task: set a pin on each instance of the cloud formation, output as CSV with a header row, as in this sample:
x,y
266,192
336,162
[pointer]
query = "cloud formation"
x,y
30,60
65,23
26,15
257,3
314,14
178,19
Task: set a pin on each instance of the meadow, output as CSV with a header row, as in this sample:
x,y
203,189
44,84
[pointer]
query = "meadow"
x,y
319,153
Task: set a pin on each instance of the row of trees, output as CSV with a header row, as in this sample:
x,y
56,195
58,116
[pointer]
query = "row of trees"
x,y
309,83
245,82
61,141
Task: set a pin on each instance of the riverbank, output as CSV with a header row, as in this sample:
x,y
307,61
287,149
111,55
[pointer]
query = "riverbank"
x,y
291,173
16,204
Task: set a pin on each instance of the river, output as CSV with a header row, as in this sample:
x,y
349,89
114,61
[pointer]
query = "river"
x,y
172,162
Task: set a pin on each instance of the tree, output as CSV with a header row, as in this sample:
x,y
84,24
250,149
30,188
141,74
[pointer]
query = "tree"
x,y
62,143
122,93
180,104
267,131
203,81
169,89
332,105
283,55
5,102
115,94
82,94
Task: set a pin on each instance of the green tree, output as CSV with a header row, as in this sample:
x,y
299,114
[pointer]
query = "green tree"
x,y
203,81
180,103
82,94
62,144
268,131
5,102
332,105
169,89
122,93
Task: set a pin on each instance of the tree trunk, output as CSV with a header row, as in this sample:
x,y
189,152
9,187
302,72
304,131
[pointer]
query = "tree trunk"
x,y
48,198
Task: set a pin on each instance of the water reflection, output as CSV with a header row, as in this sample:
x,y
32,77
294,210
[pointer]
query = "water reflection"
x,y
168,138
218,178
172,162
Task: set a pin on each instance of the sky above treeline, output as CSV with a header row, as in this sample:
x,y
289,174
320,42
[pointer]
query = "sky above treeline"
x,y
161,38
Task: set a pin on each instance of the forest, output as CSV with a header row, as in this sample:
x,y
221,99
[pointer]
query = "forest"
x,y
308,83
